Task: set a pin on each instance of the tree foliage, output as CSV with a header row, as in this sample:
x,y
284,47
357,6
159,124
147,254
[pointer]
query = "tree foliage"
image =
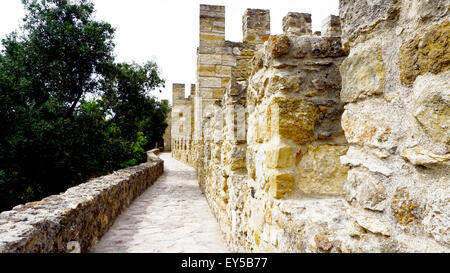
x,y
68,111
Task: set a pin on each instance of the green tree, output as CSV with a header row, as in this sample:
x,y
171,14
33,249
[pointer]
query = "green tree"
x,y
139,116
67,111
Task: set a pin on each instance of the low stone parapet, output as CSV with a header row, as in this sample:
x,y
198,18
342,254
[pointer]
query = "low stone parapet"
x,y
76,219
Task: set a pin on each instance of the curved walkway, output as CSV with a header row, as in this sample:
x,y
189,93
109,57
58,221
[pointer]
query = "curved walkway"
x,y
171,216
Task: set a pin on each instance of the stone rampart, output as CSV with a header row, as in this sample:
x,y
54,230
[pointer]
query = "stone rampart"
x,y
76,219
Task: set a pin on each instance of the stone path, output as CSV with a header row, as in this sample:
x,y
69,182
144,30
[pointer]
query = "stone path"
x,y
171,216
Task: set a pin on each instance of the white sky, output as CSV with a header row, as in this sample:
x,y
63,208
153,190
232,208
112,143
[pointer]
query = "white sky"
x,y
167,30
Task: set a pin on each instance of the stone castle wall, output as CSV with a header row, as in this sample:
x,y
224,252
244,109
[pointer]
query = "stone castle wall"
x,y
299,148
182,124
76,219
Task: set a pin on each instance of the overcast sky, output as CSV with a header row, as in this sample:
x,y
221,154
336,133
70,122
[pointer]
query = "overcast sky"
x,y
167,31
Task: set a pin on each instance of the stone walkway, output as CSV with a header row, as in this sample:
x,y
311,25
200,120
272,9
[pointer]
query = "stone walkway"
x,y
171,216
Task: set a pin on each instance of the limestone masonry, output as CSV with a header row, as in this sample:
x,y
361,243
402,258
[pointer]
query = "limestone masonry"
x,y
335,141
76,219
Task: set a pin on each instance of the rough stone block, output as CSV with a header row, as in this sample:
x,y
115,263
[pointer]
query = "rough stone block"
x,y
429,9
373,124
357,16
178,93
297,24
229,60
261,131
80,215
235,158
280,157
206,48
223,71
366,189
205,26
225,82
319,170
212,37
436,222
278,45
403,207
219,28
423,157
206,70
431,97
207,93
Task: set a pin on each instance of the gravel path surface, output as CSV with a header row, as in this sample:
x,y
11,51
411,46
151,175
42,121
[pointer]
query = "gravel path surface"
x,y
171,216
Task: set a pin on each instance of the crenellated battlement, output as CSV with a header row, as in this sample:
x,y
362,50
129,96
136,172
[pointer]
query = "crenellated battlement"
x,y
331,26
256,26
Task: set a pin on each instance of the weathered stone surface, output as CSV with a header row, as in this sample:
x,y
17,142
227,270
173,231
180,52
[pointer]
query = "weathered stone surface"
x,y
207,70
290,184
209,59
430,9
293,119
357,157
359,17
314,46
167,133
322,241
327,47
211,82
331,27
278,45
235,157
280,157
320,170
369,222
437,219
363,74
372,123
256,26
297,24
281,185
431,95
423,157
403,207
427,52
228,60
212,37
